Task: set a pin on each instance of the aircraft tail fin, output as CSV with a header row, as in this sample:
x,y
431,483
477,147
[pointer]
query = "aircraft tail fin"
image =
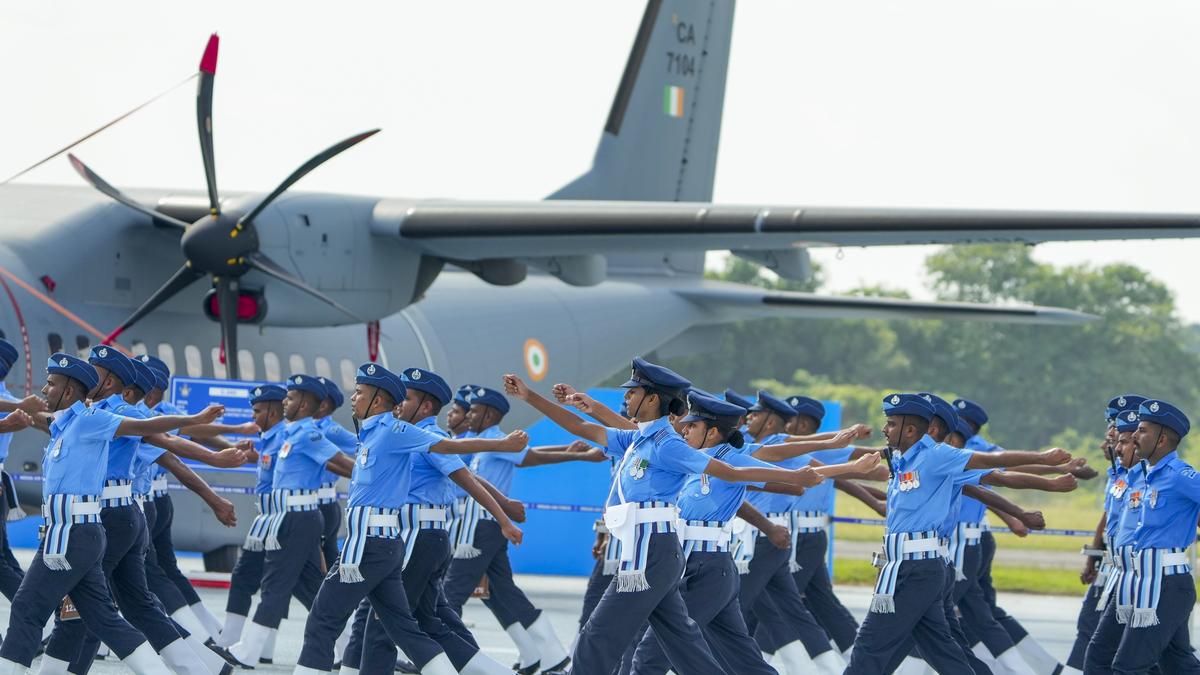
x,y
660,140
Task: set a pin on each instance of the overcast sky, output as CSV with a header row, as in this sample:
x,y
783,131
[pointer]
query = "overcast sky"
x,y
1017,104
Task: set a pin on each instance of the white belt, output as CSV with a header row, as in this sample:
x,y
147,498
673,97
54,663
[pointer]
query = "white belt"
x,y
1173,559
116,491
623,527
301,500
434,514
782,521
327,493
160,483
972,533
720,535
920,545
383,520
944,549
78,508
812,521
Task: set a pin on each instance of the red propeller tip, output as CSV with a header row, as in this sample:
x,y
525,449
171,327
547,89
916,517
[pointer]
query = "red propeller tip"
x,y
113,336
208,62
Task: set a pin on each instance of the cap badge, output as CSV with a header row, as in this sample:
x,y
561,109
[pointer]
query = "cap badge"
x,y
480,392
371,369
894,400
1154,407
258,392
298,380
1132,416
962,404
63,362
102,352
416,374
1121,401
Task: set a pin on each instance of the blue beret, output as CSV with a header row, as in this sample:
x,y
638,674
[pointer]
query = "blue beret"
x,y
74,368
1119,404
962,428
1161,412
378,376
144,377
162,373
430,383
1127,420
333,392
658,378
942,409
491,398
705,408
804,405
307,383
737,399
112,360
907,404
8,355
267,392
769,403
971,411
462,396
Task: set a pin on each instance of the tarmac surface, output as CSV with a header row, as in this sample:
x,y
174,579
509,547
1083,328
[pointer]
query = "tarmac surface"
x,y
1050,618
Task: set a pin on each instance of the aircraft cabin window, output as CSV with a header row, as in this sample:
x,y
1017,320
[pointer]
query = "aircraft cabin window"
x,y
191,356
167,353
245,364
322,366
82,346
296,364
138,348
218,367
349,372
55,342
271,367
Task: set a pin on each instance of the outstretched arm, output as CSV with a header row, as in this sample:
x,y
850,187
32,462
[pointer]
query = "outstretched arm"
x,y
576,451
222,508
1009,458
1025,481
565,394
465,479
216,429
572,423
182,447
999,504
781,451
341,464
860,431
132,426
514,442
777,534
862,494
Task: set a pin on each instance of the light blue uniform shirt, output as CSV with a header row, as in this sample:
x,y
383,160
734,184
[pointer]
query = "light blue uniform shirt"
x,y
164,408
300,464
723,498
145,457
497,467
1114,506
768,502
1129,507
382,469
1170,505
968,477
819,497
79,439
468,460
5,439
431,470
340,436
655,462
123,448
971,510
269,443
936,468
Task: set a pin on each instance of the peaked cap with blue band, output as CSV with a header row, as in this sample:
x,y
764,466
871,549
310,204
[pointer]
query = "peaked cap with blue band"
x,y
1160,412
382,378
144,377
1127,421
333,392
658,378
738,400
490,398
895,405
971,411
307,384
266,393
942,409
74,368
8,355
703,408
768,403
805,405
430,383
112,360
1119,404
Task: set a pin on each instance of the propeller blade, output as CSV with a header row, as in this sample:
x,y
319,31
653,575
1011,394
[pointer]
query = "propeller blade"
x,y
204,94
317,160
267,266
227,298
182,278
103,186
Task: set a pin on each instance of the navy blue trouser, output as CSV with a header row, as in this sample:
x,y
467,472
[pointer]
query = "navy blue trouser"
x,y
619,616
422,586
987,551
332,513
598,581
960,638
815,586
465,573
920,614
296,564
246,580
779,610
10,570
978,614
710,590
124,565
1085,625
164,548
383,586
160,584
1117,648
42,591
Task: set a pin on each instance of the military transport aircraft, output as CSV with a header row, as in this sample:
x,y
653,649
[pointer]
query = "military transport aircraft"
x,y
568,288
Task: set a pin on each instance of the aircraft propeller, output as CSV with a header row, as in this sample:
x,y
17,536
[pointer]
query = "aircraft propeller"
x,y
221,245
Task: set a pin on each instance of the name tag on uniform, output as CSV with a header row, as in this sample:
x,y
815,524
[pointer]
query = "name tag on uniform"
x,y
363,452
909,480
283,452
57,450
1153,498
266,461
1119,488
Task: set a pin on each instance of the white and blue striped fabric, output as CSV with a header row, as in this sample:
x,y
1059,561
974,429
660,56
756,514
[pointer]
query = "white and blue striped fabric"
x,y
59,519
884,600
357,531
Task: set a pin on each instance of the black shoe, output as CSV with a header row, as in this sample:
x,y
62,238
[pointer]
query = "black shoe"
x,y
406,667
227,669
527,670
337,665
265,661
222,652
560,668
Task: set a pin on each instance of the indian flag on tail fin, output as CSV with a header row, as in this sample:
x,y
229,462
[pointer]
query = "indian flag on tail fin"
x,y
673,101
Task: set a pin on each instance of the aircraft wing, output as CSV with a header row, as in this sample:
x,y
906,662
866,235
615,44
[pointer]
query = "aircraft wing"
x,y
724,299
478,230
